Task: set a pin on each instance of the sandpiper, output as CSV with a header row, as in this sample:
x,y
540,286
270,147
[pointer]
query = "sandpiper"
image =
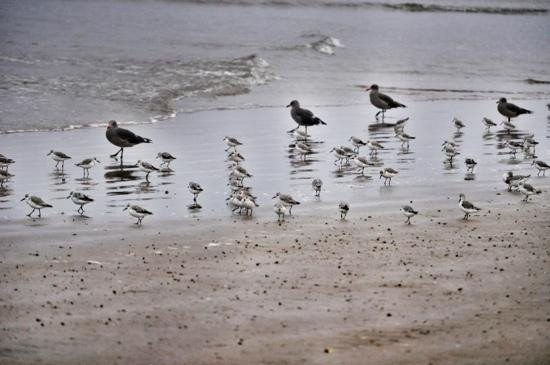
x,y
400,124
239,173
5,162
303,117
408,212
488,123
541,166
35,203
362,162
281,210
248,204
357,142
527,190
195,189
507,125
87,164
166,158
137,212
458,124
344,209
122,138
510,110
301,135
470,164
4,176
513,146
231,143
287,200
317,184
404,138
529,142
303,149
374,146
147,168
450,152
350,152
80,199
58,157
514,180
387,174
235,157
339,154
467,207
382,101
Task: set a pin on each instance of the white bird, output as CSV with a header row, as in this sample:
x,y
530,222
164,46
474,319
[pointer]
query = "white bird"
x,y
166,158
541,166
303,149
467,207
35,203
287,200
58,157
362,162
387,174
408,212
488,123
5,162
147,168
194,189
508,126
80,199
137,212
458,124
249,204
231,143
339,154
404,138
87,164
317,184
527,190
374,146
470,164
239,173
513,146
281,210
235,157
514,180
344,209
357,142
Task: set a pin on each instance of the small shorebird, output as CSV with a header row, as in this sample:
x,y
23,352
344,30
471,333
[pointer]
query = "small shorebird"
x,y
248,204
408,212
541,166
301,135
528,142
166,158
450,144
137,212
362,163
382,101
344,209
513,146
488,123
350,153
458,124
450,152
510,110
281,210
58,157
122,138
400,124
514,180
357,142
195,189
527,190
80,199
470,164
404,138
507,125
303,149
231,143
374,146
317,184
287,200
147,168
467,207
387,174
235,157
87,164
239,173
35,203
303,117
4,176
5,162
339,154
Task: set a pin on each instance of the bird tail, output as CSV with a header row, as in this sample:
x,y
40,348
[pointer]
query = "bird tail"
x,y
319,121
525,111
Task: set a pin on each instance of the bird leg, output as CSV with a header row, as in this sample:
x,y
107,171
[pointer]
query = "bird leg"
x,y
116,154
39,213
292,130
147,176
56,164
28,215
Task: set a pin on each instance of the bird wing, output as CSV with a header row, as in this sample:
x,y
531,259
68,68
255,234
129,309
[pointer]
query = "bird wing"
x,y
468,205
38,201
516,109
386,99
61,155
304,114
391,171
140,210
129,136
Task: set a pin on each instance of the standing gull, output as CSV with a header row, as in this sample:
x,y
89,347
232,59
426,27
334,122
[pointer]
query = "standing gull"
x,y
166,158
467,207
58,157
344,209
122,138
137,212
382,101
35,203
80,199
87,164
303,117
408,212
387,174
510,110
317,184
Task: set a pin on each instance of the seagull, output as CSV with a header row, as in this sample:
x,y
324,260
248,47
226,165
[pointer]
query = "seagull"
x,y
287,200
408,212
527,190
362,162
458,124
195,189
4,175
470,164
488,123
122,138
357,142
87,164
374,146
514,180
317,184
235,157
303,117
137,212
35,203
467,207
382,101
231,143
541,166
510,110
404,138
344,209
166,158
5,162
80,199
281,210
387,174
147,168
58,157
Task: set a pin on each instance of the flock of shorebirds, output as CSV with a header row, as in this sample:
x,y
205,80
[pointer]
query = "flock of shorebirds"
x,y
242,200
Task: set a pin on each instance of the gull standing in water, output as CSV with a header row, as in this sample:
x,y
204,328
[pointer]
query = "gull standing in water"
x,y
510,110
87,164
166,158
58,157
80,199
467,207
382,101
122,138
137,212
317,184
303,117
35,203
408,212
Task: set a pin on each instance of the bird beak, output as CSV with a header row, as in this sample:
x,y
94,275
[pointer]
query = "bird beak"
x,y
274,197
68,197
124,209
23,199
288,105
367,89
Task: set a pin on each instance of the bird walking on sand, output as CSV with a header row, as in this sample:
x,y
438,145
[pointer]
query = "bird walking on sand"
x,y
514,180
147,168
287,200
541,166
344,209
5,162
387,174
488,123
317,184
231,143
281,210
166,158
510,110
58,157
527,190
470,164
137,212
195,189
35,202
382,101
408,212
122,138
303,117
87,164
458,124
467,207
80,199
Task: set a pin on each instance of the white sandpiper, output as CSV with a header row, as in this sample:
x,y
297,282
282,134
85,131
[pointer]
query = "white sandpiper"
x,y
147,168
317,184
374,146
303,149
239,173
357,142
467,207
514,180
35,202
408,212
80,199
58,157
458,124
5,162
508,126
281,210
231,143
87,164
287,200
387,174
166,158
404,138
4,176
137,212
527,190
195,189
362,163
541,166
513,146
488,123
339,154
235,157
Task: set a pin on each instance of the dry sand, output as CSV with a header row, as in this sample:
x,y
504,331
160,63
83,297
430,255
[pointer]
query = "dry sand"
x,y
369,290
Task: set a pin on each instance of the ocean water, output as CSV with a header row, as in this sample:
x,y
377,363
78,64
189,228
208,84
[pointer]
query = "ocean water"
x,y
71,64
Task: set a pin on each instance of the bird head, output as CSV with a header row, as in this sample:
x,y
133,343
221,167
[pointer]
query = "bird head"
x,y
373,87
461,196
126,207
294,104
96,160
25,197
49,153
276,195
70,194
381,173
112,124
501,100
